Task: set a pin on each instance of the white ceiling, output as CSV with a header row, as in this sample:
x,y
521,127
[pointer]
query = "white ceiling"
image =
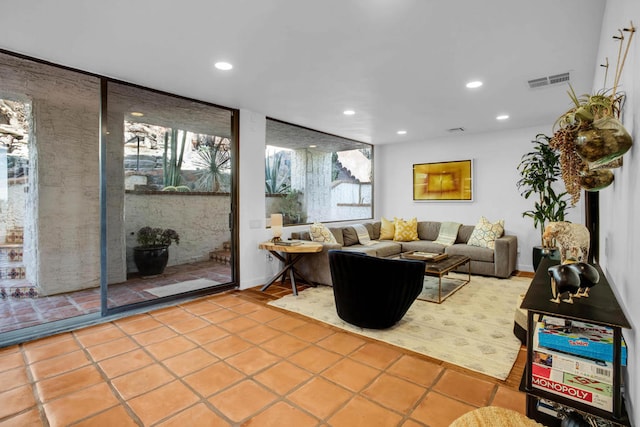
x,y
400,64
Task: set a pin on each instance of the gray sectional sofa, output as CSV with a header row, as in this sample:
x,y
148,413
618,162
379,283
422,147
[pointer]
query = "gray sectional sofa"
x,y
499,262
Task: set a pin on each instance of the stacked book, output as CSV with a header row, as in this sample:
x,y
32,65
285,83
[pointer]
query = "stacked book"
x,y
575,361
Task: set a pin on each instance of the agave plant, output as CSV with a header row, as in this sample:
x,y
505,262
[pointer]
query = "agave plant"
x,y
276,181
213,163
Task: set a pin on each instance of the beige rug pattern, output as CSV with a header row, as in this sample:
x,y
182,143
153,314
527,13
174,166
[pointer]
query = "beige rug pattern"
x,y
473,328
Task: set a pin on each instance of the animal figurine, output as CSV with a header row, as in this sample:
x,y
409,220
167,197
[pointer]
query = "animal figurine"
x,y
573,240
589,277
563,280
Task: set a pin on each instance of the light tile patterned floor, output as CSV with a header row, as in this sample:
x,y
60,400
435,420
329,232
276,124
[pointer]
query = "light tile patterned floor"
x,y
231,360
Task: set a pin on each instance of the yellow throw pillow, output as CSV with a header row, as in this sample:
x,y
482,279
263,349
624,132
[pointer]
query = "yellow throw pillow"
x,y
387,229
406,231
486,232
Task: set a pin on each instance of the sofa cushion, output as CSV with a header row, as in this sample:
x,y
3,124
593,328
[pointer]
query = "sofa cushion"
x,y
423,246
428,230
474,252
379,249
448,233
350,236
374,229
485,233
406,231
464,233
387,229
320,233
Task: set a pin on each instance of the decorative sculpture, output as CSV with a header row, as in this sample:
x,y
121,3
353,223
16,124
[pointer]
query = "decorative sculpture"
x,y
573,240
564,279
588,275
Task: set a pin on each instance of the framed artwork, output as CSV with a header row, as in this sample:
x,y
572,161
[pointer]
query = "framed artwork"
x,y
450,181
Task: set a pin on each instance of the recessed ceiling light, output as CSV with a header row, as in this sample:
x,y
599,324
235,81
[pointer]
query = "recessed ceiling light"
x,y
312,146
349,112
137,114
402,132
224,66
474,84
502,117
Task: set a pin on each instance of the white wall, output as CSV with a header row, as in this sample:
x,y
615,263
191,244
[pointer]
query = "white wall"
x,y
619,204
495,195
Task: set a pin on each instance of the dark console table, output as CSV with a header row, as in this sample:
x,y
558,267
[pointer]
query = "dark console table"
x,y
601,308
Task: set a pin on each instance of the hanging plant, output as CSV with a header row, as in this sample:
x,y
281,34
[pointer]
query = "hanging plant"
x,y
590,137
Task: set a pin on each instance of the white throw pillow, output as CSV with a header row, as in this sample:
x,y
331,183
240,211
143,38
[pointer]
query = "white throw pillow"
x,y
486,232
320,233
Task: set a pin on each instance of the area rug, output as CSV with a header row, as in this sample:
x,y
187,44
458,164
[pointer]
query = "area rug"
x,y
471,329
180,287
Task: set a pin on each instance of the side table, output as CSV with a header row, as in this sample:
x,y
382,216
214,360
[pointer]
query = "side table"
x,y
292,254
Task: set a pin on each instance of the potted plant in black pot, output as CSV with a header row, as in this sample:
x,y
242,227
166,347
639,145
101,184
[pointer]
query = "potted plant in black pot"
x,y
152,254
539,170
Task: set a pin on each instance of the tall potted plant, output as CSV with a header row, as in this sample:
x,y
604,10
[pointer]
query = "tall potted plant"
x,y
152,254
539,170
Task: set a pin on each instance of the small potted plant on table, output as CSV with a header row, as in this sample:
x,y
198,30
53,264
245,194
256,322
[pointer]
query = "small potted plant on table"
x,y
152,254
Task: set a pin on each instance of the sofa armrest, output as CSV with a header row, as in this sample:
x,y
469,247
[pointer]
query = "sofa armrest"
x,y
505,255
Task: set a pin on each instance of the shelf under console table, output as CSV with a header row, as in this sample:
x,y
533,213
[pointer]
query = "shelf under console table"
x,y
600,308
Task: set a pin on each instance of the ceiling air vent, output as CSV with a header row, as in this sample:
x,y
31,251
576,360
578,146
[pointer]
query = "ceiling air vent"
x,y
546,81
455,130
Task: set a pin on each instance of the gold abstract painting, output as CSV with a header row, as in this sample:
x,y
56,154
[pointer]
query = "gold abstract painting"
x,y
443,181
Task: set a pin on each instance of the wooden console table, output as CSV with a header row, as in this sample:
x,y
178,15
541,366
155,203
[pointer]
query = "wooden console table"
x,y
292,254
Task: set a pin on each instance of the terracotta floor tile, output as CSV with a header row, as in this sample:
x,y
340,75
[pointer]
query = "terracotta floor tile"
x,y
220,315
282,414
284,345
42,352
314,359
155,335
100,335
172,315
416,370
141,381
464,387
162,402
68,382
265,314
112,348
30,418
243,400
351,374
227,300
117,416
395,393
197,415
167,348
437,410
189,325
16,400
13,378
137,324
52,339
227,346
510,399
200,307
412,423
252,360
11,361
190,361
238,324
282,377
320,397
259,334
206,334
286,323
376,355
126,362
245,308
213,378
360,412
311,332
341,342
57,365
79,405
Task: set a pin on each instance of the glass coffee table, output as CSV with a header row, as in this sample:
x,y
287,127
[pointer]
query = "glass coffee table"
x,y
440,269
